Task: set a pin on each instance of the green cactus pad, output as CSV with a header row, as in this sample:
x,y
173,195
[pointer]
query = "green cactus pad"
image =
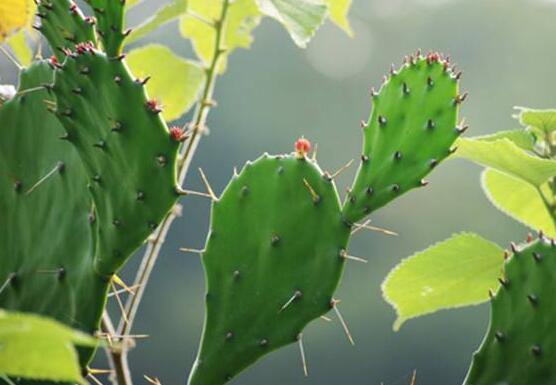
x,y
411,129
63,25
47,243
110,24
273,259
519,347
126,149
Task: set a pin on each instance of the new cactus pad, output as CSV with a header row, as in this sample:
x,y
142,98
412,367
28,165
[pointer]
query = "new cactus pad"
x,y
273,259
411,129
519,347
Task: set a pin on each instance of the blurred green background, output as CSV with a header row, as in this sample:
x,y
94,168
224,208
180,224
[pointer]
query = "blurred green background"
x,y
273,94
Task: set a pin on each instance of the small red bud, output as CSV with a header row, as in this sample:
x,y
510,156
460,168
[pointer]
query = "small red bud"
x,y
152,105
302,147
53,61
433,57
176,133
84,47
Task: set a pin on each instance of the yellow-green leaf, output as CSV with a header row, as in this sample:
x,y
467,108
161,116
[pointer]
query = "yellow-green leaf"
x,y
520,138
543,120
175,84
338,12
505,156
20,48
36,347
131,3
243,16
14,15
454,273
519,200
162,16
301,18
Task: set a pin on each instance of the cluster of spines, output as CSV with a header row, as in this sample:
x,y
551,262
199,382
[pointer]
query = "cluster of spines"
x,y
110,24
64,25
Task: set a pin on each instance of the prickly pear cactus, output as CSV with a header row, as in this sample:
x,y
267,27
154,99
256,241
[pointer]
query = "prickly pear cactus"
x,y
125,146
273,259
87,169
47,242
411,129
64,25
519,347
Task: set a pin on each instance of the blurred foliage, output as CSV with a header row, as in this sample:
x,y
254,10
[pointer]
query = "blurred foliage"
x,y
14,15
37,347
145,61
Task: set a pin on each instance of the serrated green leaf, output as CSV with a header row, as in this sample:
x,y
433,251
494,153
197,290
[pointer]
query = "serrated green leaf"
x,y
519,200
162,16
36,347
520,138
543,120
301,18
454,273
20,48
176,84
338,11
505,156
243,17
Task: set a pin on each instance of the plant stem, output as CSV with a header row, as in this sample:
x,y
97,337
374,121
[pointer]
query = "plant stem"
x,y
155,242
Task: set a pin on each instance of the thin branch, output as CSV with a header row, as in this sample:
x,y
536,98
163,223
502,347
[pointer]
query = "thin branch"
x,y
11,58
117,359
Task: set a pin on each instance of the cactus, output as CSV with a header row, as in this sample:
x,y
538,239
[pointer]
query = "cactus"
x,y
249,316
411,129
273,259
78,207
63,25
519,347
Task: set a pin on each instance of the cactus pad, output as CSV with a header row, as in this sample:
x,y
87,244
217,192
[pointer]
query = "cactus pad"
x,y
411,128
519,347
125,146
47,243
273,259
